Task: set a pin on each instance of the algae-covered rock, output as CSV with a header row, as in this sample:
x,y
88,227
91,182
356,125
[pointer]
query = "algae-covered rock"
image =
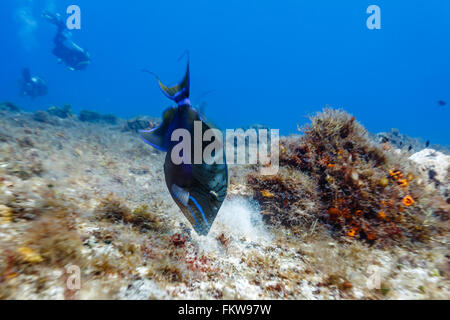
x,y
89,116
9,106
29,255
61,112
25,142
139,123
400,141
142,217
4,137
297,241
42,116
145,218
335,174
109,118
95,117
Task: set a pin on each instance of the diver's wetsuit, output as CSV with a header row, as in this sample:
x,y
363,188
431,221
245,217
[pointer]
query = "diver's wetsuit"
x,y
65,49
32,86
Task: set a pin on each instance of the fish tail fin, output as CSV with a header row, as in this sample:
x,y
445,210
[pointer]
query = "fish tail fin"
x,y
178,93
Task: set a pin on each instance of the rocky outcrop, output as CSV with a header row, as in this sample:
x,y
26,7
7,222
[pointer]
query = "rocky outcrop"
x,y
95,117
140,123
434,166
405,142
9,106
63,112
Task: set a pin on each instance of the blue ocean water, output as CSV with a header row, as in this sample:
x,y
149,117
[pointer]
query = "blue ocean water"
x,y
268,62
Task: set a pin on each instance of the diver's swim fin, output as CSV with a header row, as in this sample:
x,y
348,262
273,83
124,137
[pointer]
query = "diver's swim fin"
x,y
157,137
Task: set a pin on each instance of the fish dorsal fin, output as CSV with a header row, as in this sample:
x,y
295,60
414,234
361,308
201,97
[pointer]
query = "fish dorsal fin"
x,y
158,137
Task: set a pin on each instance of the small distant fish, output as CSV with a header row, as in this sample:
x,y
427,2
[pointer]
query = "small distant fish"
x,y
198,189
442,103
427,144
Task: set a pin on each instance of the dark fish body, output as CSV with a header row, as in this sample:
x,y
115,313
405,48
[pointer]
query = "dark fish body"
x,y
198,189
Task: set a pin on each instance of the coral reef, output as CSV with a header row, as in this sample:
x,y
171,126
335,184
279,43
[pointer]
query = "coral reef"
x,y
91,195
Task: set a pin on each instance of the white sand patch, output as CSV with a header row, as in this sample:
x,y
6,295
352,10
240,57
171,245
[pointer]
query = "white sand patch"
x,y
239,220
142,289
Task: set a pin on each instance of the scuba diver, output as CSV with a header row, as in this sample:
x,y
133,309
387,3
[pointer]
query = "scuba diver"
x,y
32,86
65,49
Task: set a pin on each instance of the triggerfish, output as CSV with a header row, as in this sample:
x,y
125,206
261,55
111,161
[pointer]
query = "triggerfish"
x,y
198,189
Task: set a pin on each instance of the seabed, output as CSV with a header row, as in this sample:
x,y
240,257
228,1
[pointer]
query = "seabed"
x,y
87,192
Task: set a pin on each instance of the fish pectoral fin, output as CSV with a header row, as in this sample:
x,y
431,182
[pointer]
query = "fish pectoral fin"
x,y
180,194
157,137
